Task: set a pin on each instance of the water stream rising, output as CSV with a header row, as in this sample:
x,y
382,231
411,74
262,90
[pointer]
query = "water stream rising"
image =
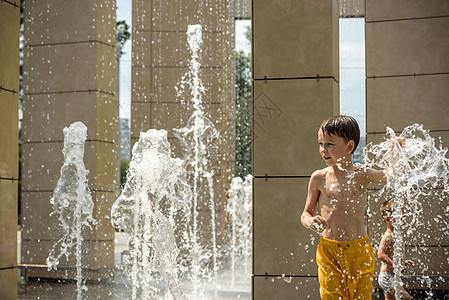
x,y
72,202
239,209
199,140
418,174
168,204
155,193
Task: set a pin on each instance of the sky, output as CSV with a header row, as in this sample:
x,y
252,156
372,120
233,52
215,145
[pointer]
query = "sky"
x,y
124,12
241,43
352,63
352,69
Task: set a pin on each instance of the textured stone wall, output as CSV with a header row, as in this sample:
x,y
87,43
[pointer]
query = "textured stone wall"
x,y
407,75
69,75
295,87
9,151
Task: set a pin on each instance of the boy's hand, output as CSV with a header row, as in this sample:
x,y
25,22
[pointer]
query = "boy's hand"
x,y
318,224
399,139
407,263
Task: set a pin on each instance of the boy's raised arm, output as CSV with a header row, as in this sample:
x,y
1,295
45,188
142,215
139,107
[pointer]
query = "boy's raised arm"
x,y
379,176
308,217
376,176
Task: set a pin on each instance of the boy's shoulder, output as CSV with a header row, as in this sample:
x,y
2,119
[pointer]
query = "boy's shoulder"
x,y
360,175
387,235
319,177
321,173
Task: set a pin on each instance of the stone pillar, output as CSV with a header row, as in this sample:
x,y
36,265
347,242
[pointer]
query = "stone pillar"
x,y
9,152
159,60
351,8
241,9
407,75
69,75
295,87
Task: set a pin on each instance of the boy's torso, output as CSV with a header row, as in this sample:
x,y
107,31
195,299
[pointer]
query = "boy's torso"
x,y
342,203
387,248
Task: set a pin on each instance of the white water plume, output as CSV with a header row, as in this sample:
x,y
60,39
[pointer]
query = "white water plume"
x,y
72,202
418,174
155,193
239,210
199,140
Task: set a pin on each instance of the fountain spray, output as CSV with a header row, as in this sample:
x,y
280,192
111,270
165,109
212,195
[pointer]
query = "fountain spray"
x,y
199,139
414,171
239,209
72,202
155,184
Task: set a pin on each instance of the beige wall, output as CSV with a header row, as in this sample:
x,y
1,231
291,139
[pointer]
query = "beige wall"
x,y
241,9
351,8
160,57
69,75
9,154
407,70
295,87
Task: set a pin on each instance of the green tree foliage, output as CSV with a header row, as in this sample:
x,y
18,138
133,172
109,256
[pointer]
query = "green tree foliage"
x,y
248,33
243,113
124,166
123,33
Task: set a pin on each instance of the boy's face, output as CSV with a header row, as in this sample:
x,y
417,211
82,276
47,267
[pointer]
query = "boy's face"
x,y
333,148
391,219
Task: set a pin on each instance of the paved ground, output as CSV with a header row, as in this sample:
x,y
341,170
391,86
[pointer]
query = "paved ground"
x,y
121,289
120,286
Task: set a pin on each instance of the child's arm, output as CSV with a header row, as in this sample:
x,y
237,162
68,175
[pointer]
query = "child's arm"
x,y
308,217
379,176
384,248
406,263
376,176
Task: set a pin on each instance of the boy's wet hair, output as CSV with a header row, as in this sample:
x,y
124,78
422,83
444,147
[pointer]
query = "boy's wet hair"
x,y
387,208
342,126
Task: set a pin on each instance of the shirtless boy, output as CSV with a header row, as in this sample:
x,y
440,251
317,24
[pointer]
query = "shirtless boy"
x,y
385,254
345,257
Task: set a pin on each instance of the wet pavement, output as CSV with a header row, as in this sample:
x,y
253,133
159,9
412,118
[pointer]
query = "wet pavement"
x,y
229,285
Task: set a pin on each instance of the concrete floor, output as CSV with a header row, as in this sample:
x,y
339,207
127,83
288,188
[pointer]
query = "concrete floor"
x,y
120,286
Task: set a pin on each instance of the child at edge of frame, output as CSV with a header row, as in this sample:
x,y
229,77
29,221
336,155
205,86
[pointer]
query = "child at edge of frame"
x,y
385,254
345,256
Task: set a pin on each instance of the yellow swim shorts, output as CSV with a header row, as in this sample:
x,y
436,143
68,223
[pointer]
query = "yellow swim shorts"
x,y
345,269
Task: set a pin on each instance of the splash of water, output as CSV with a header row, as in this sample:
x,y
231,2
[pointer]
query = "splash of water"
x,y
155,179
239,209
414,173
191,77
198,138
72,202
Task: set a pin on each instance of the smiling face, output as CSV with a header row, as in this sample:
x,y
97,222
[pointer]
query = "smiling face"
x,y
334,149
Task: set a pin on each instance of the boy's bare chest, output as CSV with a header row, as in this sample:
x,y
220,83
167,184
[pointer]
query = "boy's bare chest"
x,y
342,191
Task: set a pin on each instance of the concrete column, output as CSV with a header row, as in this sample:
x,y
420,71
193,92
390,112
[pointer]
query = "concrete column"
x,y
69,75
295,87
407,70
351,8
161,57
9,151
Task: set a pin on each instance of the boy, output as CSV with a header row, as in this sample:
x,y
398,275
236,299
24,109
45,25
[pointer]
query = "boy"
x,y
345,257
385,254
